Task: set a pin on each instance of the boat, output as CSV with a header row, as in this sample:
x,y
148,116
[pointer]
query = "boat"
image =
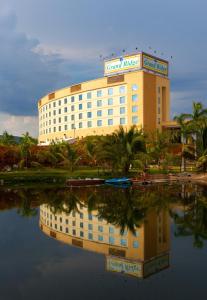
x,y
119,181
85,182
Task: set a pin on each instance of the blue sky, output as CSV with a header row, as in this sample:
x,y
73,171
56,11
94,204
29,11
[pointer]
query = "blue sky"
x,y
52,43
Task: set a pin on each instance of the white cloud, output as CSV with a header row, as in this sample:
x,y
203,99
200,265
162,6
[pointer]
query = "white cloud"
x,y
17,125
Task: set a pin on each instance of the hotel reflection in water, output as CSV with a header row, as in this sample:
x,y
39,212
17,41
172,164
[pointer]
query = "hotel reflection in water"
x,y
138,254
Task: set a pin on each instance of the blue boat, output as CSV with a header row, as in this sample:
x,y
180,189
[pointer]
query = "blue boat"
x,y
119,181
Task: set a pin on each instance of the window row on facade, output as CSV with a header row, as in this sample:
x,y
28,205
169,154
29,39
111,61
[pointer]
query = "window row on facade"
x,y
88,105
88,96
88,124
101,238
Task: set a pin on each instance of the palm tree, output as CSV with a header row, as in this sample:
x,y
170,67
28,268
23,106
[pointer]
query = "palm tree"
x,y
121,147
181,120
26,142
69,156
195,118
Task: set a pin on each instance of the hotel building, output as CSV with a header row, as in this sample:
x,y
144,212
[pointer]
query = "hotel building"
x,y
139,254
135,90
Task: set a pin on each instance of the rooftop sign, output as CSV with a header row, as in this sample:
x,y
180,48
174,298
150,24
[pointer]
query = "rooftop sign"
x,y
136,62
154,64
122,64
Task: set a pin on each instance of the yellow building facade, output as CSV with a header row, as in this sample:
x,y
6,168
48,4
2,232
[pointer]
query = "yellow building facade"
x,y
139,254
135,90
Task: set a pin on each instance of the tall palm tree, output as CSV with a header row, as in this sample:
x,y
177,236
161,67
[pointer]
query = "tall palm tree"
x,y
26,142
198,115
181,120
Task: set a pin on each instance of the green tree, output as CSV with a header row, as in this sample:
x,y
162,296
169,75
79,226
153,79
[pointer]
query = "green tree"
x,y
184,131
26,142
69,156
121,147
7,139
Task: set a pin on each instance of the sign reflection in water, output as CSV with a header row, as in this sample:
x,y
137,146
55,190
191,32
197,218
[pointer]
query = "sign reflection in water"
x,y
139,253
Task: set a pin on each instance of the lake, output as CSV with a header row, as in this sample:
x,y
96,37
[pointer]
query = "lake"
x,y
103,242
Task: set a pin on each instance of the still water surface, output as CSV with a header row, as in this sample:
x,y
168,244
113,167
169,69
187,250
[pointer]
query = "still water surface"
x,y
103,243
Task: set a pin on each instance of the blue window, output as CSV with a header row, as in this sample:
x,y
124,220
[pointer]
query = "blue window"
x,y
80,106
99,103
110,91
89,105
99,123
90,236
80,97
134,87
122,110
90,226
89,123
72,99
134,98
90,217
89,114
110,111
100,228
134,120
89,95
80,125
65,109
135,244
123,242
122,121
110,121
81,234
65,101
111,230
99,113
110,101
134,108
100,238
80,116
122,100
122,89
111,240
99,93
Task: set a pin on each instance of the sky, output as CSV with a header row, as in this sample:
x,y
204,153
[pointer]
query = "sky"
x,y
49,44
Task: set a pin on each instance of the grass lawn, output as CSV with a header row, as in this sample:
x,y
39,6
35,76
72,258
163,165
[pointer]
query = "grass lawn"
x,y
48,175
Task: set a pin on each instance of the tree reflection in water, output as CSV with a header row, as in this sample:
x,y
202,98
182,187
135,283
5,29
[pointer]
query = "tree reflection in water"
x,y
125,208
